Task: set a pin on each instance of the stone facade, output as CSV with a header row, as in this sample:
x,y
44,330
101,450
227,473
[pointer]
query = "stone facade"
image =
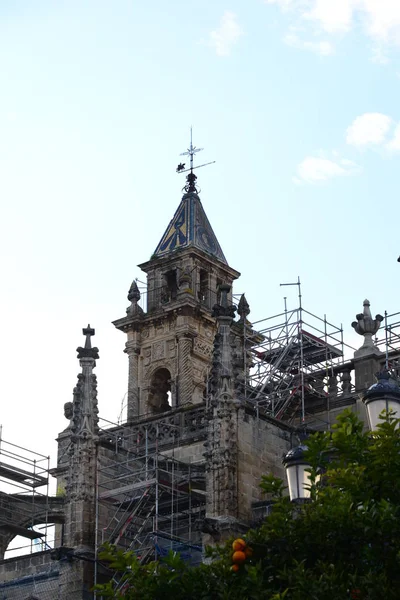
x,y
185,467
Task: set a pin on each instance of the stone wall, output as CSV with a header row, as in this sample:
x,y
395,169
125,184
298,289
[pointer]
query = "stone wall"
x,y
33,575
38,576
262,444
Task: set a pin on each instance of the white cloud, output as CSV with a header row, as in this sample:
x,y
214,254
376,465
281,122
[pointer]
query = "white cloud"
x,y
284,4
383,19
368,129
227,35
379,19
394,143
332,16
315,169
322,47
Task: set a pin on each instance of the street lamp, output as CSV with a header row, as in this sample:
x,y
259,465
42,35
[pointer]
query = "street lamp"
x,y
297,476
381,396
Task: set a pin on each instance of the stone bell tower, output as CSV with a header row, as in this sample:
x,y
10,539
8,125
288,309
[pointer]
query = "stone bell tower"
x,y
169,344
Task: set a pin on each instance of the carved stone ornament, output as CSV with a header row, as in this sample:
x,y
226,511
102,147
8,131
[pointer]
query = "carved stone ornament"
x,y
134,310
368,327
68,410
243,308
88,351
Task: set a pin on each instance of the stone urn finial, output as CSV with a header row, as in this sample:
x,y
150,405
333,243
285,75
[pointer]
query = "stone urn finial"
x,y
368,327
134,309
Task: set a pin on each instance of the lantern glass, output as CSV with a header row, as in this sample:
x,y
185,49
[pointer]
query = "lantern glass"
x,y
375,408
298,480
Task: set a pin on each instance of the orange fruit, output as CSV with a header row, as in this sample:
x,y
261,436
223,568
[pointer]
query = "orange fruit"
x,y
248,552
235,568
239,544
238,557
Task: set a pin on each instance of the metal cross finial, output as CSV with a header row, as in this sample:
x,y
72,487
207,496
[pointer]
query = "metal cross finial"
x,y
191,151
191,177
88,331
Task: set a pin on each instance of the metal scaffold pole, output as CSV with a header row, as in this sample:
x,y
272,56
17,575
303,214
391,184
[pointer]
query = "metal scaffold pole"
x,y
293,355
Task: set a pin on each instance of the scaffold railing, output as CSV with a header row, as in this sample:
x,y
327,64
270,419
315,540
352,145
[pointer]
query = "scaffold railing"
x,y
24,505
387,341
292,361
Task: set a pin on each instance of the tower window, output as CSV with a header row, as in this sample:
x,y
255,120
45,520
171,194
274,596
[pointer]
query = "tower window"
x,y
203,291
171,284
160,391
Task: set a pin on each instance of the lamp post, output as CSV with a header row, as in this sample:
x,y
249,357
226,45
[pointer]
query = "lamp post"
x,y
297,476
381,396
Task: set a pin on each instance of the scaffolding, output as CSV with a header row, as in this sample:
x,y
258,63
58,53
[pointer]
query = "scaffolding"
x,y
24,493
148,501
388,341
293,365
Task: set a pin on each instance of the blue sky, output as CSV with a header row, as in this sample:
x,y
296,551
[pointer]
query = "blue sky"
x,y
298,103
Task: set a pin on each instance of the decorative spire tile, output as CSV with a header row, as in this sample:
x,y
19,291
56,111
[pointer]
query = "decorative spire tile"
x,y
190,227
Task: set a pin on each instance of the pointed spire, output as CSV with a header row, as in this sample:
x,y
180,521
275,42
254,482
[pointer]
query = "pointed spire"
x,y
88,351
189,225
191,228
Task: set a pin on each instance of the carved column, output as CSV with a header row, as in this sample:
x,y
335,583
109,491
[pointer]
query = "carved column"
x,y
332,384
185,368
346,382
133,351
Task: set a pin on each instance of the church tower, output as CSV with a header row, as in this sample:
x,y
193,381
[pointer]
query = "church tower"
x,y
169,345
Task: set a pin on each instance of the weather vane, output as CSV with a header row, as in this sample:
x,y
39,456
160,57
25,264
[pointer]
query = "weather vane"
x,y
191,177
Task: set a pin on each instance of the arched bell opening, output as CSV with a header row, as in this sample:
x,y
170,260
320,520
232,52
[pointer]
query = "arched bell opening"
x,y
160,399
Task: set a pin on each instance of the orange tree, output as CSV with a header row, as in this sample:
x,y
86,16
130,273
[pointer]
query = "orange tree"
x,y
344,543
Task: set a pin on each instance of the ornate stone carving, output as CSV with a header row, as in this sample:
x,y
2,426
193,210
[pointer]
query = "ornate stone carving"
x,y
147,356
243,309
188,425
158,350
367,326
88,351
185,368
202,347
171,348
134,310
68,410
